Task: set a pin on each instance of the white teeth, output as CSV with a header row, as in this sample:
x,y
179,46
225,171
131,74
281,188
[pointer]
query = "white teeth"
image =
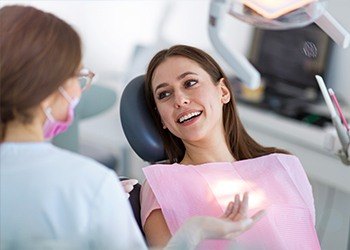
x,y
186,117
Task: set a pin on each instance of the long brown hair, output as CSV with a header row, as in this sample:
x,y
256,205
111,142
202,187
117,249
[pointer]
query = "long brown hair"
x,y
241,144
39,52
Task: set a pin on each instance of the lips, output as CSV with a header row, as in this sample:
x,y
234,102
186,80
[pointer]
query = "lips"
x,y
187,116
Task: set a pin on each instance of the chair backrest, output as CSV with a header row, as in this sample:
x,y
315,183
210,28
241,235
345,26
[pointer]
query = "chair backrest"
x,y
138,125
140,131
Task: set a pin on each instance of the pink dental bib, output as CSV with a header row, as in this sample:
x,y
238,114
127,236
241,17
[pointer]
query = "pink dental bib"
x,y
275,182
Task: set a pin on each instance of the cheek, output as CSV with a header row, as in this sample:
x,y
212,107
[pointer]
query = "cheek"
x,y
165,111
213,105
164,114
60,109
72,88
75,91
211,98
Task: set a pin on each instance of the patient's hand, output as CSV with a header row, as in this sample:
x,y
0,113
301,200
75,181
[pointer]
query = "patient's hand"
x,y
237,212
128,186
238,209
232,223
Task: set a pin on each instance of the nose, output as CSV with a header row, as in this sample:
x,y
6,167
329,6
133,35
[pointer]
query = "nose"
x,y
181,99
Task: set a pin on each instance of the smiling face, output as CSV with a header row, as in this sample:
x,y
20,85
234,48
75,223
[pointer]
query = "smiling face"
x,y
188,101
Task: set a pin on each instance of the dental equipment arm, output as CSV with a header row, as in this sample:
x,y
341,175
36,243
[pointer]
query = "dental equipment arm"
x,y
331,27
239,63
342,132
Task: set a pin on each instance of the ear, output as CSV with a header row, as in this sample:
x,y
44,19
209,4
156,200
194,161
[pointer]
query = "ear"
x,y
164,127
225,92
47,102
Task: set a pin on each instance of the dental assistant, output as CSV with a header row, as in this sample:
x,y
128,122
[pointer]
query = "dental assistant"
x,y
51,197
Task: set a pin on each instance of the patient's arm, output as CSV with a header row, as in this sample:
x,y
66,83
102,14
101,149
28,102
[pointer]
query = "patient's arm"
x,y
156,230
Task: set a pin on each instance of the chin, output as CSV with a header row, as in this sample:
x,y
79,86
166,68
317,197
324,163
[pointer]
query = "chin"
x,y
193,137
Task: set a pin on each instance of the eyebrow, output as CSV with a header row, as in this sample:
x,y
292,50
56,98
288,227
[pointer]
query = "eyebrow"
x,y
183,75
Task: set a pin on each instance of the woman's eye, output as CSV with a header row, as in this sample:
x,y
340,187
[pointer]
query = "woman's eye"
x,y
163,94
190,83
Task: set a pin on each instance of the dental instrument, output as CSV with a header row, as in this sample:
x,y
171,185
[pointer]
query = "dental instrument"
x,y
340,112
343,133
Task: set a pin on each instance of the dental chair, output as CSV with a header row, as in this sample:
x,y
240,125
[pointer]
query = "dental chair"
x,y
137,123
141,133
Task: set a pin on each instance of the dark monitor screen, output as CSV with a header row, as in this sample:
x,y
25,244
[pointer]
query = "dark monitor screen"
x,y
292,56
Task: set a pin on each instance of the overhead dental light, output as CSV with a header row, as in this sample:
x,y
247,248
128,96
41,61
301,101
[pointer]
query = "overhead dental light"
x,y
273,9
277,14
269,14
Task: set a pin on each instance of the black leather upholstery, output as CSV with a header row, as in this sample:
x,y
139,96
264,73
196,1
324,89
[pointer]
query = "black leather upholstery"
x,y
137,123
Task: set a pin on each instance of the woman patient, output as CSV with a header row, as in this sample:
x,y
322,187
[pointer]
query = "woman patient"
x,y
212,157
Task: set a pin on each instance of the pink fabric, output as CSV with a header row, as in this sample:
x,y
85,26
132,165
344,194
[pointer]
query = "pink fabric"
x,y
276,182
148,202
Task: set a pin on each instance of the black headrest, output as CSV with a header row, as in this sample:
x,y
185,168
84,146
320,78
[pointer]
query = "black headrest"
x,y
137,123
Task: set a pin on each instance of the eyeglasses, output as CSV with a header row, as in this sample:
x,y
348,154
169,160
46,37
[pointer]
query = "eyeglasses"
x,y
85,77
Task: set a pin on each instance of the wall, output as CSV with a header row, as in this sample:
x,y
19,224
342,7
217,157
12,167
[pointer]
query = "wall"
x,y
340,62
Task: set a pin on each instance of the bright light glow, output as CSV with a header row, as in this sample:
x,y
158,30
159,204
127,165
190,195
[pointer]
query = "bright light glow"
x,y
274,8
225,192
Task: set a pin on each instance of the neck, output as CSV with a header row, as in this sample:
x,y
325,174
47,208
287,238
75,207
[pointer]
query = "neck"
x,y
213,149
19,132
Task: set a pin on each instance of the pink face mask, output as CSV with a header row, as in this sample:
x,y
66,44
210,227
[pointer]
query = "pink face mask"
x,y
52,127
